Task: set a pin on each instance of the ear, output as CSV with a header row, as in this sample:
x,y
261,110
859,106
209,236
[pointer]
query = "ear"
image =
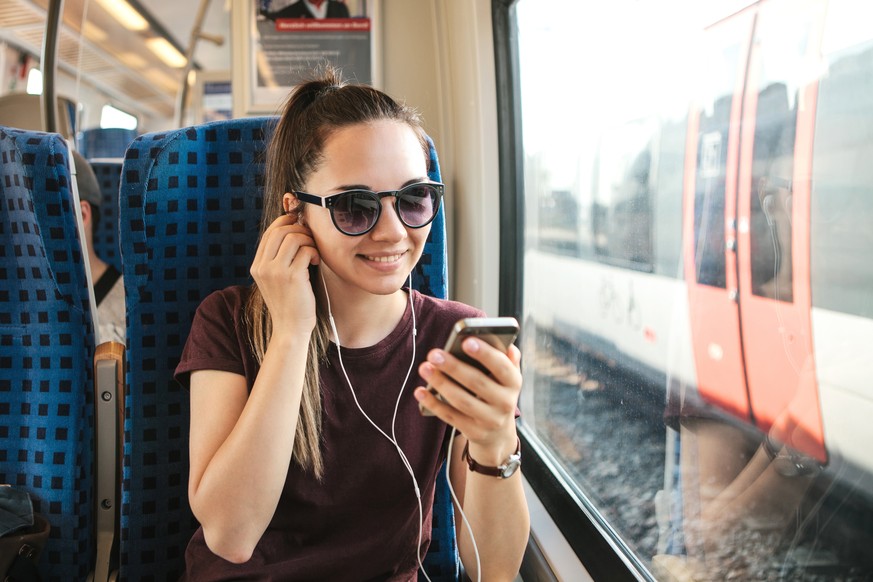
x,y
293,207
289,202
86,212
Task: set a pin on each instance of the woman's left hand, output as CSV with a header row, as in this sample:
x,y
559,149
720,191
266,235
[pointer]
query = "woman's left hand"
x,y
480,406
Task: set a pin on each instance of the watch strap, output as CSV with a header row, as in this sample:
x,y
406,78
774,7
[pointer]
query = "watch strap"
x,y
488,470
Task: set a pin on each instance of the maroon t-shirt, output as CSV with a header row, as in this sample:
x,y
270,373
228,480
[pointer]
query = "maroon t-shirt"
x,y
360,522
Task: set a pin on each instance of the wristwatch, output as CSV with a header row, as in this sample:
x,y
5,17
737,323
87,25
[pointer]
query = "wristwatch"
x,y
504,471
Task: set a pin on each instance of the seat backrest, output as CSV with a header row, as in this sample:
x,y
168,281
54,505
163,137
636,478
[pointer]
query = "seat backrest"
x,y
106,236
23,110
104,142
190,206
46,348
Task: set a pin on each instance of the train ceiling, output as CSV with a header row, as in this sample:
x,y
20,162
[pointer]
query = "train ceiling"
x,y
130,73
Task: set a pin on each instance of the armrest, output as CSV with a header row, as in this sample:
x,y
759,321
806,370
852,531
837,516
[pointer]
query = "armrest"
x,y
109,391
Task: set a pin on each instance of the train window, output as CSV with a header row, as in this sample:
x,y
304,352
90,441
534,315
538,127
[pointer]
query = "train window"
x,y
667,196
782,51
718,92
622,211
34,82
113,117
842,196
697,290
603,182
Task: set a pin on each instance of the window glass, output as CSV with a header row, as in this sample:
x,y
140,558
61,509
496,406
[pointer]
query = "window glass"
x,y
716,101
622,212
669,171
782,52
630,158
114,117
842,197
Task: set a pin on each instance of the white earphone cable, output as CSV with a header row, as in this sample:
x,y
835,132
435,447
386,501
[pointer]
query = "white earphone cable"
x,y
461,509
392,438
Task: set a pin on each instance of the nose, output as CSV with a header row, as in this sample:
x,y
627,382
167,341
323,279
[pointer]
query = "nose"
x,y
388,227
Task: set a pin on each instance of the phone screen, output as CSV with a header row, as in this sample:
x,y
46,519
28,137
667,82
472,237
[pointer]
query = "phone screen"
x,y
499,332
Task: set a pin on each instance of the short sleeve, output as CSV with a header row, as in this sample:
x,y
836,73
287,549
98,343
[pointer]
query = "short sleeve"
x,y
213,342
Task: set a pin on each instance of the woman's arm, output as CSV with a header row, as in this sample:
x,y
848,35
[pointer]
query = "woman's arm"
x,y
240,447
495,507
240,443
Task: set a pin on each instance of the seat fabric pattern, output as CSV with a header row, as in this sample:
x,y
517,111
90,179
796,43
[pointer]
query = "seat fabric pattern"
x,y
46,348
104,142
106,237
190,209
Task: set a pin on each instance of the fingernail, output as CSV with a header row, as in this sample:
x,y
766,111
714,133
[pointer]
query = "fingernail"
x,y
471,345
426,370
436,357
420,394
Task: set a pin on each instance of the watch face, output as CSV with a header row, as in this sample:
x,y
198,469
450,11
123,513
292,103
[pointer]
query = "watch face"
x,y
509,468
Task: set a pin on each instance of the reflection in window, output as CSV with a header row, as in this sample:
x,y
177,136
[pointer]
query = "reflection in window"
x,y
558,222
709,190
771,193
622,214
842,195
667,197
686,491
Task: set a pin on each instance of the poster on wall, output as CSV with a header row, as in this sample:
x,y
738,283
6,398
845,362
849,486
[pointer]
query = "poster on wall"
x,y
284,40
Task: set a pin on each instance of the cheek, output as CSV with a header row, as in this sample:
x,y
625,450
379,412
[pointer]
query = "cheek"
x,y
420,239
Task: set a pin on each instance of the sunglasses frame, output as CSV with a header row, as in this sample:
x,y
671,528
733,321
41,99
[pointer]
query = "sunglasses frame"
x,y
330,202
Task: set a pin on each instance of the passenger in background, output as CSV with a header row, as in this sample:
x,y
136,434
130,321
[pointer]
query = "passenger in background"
x,y
305,422
108,283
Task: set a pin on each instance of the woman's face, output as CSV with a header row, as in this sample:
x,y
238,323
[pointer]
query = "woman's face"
x,y
377,156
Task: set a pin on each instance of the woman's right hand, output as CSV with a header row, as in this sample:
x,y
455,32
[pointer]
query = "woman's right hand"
x,y
281,271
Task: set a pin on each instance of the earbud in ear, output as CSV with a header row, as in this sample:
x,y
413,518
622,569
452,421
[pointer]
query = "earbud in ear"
x,y
287,204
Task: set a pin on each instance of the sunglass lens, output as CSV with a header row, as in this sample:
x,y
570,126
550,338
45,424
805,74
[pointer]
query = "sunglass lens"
x,y
418,204
356,212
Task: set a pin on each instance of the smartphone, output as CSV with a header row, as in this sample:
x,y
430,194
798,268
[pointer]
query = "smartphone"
x,y
499,332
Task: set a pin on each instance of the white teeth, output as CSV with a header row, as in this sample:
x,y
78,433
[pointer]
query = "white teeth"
x,y
390,259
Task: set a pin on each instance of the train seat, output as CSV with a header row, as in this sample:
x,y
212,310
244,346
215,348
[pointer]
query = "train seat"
x,y
108,174
190,203
46,347
104,142
24,111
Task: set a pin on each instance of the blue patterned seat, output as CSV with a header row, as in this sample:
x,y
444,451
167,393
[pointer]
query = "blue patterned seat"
x,y
46,348
104,142
190,207
106,237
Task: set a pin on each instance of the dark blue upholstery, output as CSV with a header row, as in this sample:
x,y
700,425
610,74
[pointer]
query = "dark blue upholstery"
x,y
46,348
106,236
190,209
100,142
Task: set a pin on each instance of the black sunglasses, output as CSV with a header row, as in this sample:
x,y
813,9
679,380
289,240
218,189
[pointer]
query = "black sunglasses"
x,y
356,212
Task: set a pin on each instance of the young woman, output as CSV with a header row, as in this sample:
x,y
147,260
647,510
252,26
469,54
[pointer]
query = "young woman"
x,y
310,459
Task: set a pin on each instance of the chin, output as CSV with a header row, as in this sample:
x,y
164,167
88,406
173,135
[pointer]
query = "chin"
x,y
385,285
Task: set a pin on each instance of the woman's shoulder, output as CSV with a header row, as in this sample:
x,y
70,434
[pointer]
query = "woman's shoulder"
x,y
444,309
230,300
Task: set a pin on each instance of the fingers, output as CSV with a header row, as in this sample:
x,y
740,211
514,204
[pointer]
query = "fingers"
x,y
281,245
284,220
504,371
473,401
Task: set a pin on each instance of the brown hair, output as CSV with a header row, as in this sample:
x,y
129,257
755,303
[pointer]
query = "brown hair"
x,y
314,110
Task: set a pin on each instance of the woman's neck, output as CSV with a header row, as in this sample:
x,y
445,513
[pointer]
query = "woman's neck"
x,y
364,319
97,266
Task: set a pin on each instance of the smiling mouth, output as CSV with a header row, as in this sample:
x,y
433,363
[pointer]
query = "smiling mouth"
x,y
388,259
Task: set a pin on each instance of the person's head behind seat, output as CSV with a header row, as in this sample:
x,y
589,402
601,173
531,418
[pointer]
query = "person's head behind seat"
x,y
89,188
